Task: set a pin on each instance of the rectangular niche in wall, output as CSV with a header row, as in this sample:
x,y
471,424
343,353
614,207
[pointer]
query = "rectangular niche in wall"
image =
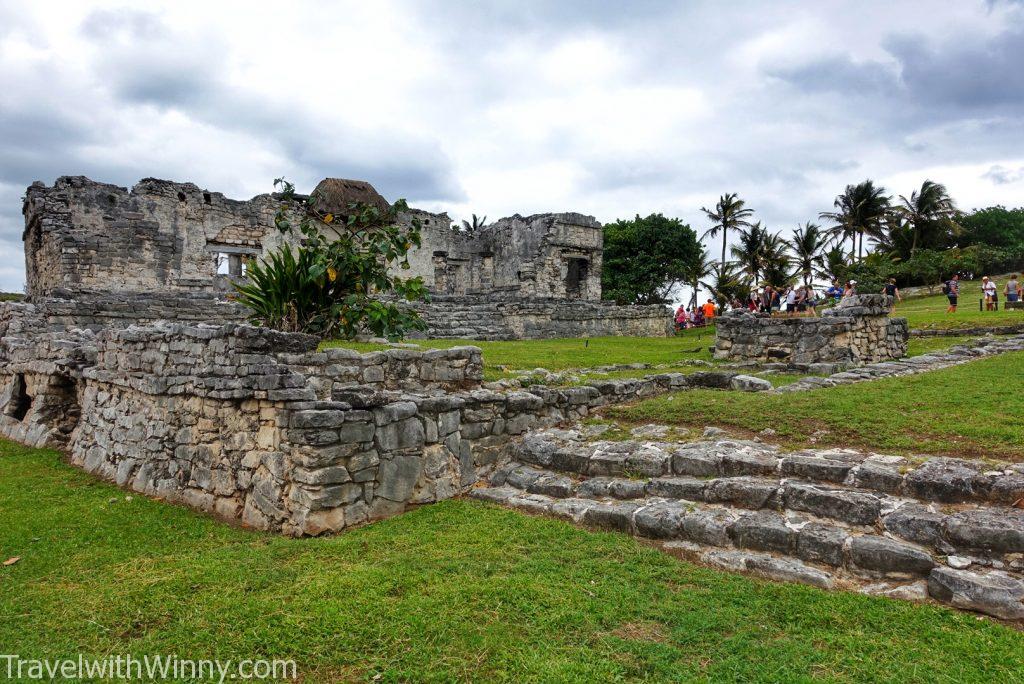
x,y
576,278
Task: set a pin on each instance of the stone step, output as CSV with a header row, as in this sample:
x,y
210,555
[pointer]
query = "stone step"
x,y
784,546
935,480
995,534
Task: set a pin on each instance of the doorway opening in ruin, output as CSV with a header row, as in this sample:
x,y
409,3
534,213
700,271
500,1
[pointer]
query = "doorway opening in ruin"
x,y
62,409
576,278
20,403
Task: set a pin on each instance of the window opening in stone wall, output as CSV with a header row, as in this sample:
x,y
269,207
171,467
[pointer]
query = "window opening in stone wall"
x,y
21,401
231,264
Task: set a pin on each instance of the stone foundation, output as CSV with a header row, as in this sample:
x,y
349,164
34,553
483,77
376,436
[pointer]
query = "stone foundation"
x,y
856,331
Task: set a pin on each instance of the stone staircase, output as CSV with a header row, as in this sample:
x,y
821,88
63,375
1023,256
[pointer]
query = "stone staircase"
x,y
944,529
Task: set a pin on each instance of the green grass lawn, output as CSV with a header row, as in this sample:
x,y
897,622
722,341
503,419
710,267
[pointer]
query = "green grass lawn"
x,y
455,591
916,346
960,411
929,312
560,354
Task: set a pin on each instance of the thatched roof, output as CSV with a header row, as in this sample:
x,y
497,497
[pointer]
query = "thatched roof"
x,y
336,194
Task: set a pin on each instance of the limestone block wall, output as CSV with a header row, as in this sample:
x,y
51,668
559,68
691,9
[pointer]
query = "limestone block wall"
x,y
84,236
258,426
856,331
513,318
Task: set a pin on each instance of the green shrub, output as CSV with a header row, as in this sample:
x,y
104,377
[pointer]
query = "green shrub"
x,y
332,283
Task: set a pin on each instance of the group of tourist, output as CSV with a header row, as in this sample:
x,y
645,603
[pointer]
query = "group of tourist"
x,y
799,300
1012,291
698,317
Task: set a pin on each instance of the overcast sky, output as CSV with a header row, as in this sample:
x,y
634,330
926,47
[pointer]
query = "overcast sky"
x,y
606,108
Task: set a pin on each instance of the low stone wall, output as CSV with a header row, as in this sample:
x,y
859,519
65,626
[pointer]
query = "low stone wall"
x,y
514,318
856,331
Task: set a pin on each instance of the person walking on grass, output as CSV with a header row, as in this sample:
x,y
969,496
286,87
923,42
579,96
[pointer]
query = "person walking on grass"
x,y
989,290
951,288
891,290
1012,290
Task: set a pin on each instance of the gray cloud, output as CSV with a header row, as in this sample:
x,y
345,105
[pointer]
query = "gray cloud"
x,y
840,74
1000,175
973,75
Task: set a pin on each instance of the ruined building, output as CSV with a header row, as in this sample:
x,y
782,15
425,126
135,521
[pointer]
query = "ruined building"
x,y
126,359
521,277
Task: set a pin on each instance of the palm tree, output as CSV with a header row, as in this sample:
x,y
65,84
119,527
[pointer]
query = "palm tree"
x,y
729,214
727,285
808,246
861,210
698,269
930,210
749,253
476,225
776,261
897,240
834,263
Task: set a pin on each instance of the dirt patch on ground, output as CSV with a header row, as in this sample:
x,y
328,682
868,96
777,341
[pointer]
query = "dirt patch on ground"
x,y
641,631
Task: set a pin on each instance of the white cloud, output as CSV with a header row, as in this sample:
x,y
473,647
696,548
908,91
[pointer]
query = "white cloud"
x,y
514,106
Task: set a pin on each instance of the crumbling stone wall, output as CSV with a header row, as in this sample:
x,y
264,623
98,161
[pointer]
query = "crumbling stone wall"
x,y
169,250
856,331
84,236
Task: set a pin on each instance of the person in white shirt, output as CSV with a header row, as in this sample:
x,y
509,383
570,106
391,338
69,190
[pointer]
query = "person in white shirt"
x,y
791,300
989,289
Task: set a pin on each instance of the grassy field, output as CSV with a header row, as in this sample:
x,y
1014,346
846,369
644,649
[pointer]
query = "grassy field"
x,y
559,354
960,411
455,591
929,312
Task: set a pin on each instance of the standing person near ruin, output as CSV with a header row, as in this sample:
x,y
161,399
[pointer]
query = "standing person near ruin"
x,y
1012,290
709,312
790,300
851,288
891,290
680,317
990,292
810,300
951,288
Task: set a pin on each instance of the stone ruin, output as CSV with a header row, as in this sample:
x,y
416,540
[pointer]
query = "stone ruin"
x,y
856,331
108,248
135,385
128,356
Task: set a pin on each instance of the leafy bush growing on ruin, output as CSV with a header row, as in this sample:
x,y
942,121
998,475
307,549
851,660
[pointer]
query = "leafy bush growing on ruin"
x,y
335,281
